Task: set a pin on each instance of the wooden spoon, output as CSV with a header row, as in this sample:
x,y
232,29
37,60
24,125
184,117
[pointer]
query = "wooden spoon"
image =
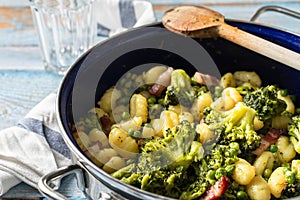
x,y
200,22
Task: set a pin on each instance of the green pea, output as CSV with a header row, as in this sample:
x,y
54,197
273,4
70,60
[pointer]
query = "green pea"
x,y
161,101
290,177
131,132
218,91
241,195
127,84
273,148
143,88
152,100
193,81
267,173
125,115
122,81
297,111
284,92
220,172
137,134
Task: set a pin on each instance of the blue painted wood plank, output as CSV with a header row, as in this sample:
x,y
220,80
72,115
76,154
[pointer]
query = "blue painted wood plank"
x,y
20,91
68,188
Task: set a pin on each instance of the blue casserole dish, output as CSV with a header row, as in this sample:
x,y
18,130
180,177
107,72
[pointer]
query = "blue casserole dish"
x,y
101,66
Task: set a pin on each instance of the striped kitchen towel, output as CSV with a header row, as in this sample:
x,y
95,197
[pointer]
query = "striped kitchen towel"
x,y
114,16
35,147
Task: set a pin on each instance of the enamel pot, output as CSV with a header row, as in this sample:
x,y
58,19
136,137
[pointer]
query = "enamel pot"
x,y
101,66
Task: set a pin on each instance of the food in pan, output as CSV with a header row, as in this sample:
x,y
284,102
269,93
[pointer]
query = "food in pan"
x,y
194,136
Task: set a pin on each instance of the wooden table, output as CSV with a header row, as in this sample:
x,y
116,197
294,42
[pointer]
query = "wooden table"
x,y
23,81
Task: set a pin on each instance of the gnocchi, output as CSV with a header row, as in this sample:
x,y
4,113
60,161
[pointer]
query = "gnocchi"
x,y
139,107
227,80
290,107
264,161
125,145
204,100
258,189
286,151
277,182
243,172
108,99
247,77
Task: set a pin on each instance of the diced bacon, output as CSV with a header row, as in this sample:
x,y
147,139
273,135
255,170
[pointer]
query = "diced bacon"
x,y
218,189
206,79
267,140
106,124
157,89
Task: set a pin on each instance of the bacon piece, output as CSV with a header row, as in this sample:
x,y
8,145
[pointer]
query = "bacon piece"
x,y
106,124
267,140
218,189
162,82
157,89
206,79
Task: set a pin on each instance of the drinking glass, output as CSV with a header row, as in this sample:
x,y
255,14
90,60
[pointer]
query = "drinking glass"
x,y
66,29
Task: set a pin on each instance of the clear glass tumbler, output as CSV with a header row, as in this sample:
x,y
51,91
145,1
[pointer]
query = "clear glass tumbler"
x,y
66,29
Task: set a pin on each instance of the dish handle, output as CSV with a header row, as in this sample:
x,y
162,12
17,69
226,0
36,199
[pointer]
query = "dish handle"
x,y
278,9
48,188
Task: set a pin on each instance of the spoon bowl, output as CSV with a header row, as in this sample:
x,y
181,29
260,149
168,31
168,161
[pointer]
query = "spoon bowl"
x,y
192,21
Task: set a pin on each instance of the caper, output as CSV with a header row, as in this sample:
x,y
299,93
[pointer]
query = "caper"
x,y
151,100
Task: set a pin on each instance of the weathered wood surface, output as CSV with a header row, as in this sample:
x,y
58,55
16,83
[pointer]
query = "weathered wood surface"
x,y
23,83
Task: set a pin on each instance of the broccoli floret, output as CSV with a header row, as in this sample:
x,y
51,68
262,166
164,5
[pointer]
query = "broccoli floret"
x,y
165,165
180,91
294,132
235,125
177,148
265,102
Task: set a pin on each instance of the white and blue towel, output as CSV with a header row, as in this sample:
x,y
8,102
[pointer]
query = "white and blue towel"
x,y
35,147
114,16
32,148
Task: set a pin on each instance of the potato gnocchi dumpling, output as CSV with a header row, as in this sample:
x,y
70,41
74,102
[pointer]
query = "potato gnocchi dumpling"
x,y
243,172
258,189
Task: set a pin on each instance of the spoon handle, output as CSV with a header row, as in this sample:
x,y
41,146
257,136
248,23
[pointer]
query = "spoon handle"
x,y
260,45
